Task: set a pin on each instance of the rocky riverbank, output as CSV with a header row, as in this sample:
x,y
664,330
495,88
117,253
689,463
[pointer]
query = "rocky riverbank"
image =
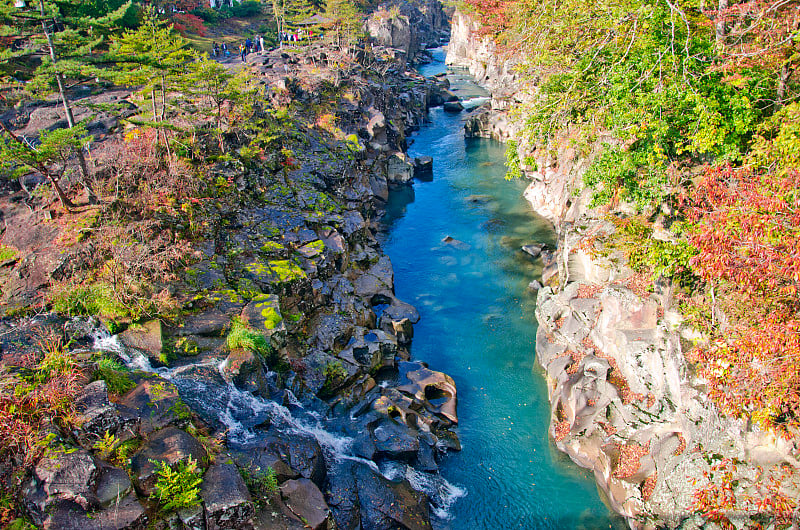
x,y
625,402
289,350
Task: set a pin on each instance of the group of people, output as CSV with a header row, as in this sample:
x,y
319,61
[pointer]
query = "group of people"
x,y
255,45
220,51
299,36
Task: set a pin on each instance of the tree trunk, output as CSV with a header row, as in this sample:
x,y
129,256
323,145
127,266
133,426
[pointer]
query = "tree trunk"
x,y
67,108
783,81
62,197
163,117
720,28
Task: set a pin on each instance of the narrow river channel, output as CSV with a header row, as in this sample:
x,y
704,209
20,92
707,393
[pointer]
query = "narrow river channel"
x,y
478,325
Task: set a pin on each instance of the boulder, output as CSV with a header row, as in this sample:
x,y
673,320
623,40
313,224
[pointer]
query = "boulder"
x,y
112,486
301,452
257,459
170,445
154,403
246,370
395,441
534,249
453,106
147,338
306,501
227,501
69,515
399,169
63,474
124,514
329,331
263,314
423,168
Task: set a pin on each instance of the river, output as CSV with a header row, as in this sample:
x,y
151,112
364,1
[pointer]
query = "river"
x,y
478,325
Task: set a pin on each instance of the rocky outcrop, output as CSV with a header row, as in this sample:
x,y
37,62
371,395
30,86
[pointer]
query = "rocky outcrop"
x,y
409,27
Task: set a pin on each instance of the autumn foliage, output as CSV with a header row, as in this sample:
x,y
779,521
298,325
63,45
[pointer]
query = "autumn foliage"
x,y
747,231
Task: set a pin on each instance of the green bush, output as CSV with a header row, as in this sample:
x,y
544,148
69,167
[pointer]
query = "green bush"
x,y
513,170
177,487
243,10
261,483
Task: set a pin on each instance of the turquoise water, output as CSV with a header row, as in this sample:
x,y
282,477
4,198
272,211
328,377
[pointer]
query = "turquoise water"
x,y
478,325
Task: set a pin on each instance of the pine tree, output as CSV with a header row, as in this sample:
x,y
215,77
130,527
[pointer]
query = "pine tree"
x,y
64,36
154,58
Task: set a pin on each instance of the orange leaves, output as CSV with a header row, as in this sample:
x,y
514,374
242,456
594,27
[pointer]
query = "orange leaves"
x,y
756,373
728,492
748,229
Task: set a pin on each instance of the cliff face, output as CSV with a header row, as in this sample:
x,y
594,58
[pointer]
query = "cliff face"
x,y
409,27
624,400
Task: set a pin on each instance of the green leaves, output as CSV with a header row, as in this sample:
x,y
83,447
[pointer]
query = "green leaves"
x,y
177,486
49,155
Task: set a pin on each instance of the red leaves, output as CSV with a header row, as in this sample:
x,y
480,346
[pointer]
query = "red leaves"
x,y
729,492
748,229
756,373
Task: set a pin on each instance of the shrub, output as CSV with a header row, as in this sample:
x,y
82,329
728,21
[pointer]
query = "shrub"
x,y
244,10
190,22
114,374
40,397
177,487
261,483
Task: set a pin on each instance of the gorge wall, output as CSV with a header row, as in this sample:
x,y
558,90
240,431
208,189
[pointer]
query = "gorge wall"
x,y
624,401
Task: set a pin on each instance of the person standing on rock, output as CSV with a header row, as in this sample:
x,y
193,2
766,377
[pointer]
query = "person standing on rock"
x,y
248,44
243,51
261,43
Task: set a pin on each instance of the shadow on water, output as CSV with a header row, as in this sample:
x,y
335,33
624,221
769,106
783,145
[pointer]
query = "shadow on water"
x,y
455,245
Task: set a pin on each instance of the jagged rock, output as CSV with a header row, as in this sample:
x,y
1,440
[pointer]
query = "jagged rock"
x,y
331,330
305,499
423,168
371,349
95,414
455,243
387,505
436,389
169,445
379,279
352,223
399,169
534,249
227,501
333,241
